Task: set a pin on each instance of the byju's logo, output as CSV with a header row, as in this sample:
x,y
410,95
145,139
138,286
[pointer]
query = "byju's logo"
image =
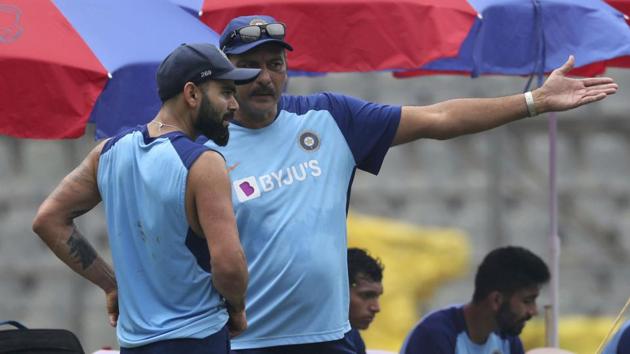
x,y
246,189
254,186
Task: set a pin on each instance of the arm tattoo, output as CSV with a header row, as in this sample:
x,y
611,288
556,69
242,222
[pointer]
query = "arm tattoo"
x,y
77,182
80,249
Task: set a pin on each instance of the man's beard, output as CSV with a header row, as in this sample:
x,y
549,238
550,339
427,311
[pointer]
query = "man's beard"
x,y
508,322
209,122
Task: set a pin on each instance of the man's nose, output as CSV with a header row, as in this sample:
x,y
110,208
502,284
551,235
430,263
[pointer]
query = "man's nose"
x,y
375,306
233,104
264,76
533,311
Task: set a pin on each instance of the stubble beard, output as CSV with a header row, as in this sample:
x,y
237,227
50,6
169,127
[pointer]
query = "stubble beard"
x,y
209,122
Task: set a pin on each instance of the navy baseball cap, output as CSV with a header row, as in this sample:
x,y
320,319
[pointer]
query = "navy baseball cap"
x,y
232,43
197,63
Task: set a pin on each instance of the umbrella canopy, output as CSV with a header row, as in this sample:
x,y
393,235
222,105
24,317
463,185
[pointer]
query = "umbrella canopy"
x,y
622,62
64,62
624,7
516,37
354,35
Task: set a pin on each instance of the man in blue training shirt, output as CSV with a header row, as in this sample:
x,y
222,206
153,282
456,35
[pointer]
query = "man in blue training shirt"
x,y
365,274
292,161
180,270
620,342
507,284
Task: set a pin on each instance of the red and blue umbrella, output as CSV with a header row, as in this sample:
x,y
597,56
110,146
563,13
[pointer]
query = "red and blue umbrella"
x,y
516,37
354,35
65,62
621,62
462,36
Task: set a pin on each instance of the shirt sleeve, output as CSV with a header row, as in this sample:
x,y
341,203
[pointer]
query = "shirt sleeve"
x,y
620,342
188,150
624,342
516,346
428,340
368,128
355,338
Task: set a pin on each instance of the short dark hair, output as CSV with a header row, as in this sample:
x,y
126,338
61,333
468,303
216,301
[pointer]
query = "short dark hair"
x,y
507,270
360,262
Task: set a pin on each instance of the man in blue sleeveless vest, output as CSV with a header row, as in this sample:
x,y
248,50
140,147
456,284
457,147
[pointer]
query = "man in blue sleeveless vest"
x,y
292,161
180,273
507,284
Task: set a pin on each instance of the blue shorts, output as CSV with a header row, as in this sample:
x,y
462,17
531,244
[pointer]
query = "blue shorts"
x,y
217,343
340,346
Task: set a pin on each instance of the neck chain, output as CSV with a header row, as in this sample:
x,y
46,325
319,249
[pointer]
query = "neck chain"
x,y
161,125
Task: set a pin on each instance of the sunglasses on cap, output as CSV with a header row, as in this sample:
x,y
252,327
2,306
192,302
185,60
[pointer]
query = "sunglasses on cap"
x,y
253,33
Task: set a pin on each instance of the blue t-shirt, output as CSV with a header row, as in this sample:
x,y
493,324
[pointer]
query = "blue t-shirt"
x,y
291,183
620,342
165,286
444,332
357,341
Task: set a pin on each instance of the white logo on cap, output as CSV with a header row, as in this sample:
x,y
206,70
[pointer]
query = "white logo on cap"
x,y
206,73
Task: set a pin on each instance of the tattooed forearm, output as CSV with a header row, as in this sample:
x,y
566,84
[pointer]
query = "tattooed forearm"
x,y
80,249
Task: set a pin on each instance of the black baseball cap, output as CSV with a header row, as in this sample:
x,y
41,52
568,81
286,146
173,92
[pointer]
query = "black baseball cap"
x,y
197,63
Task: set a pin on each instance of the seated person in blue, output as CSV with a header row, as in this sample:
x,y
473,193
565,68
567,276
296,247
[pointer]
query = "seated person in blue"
x,y
507,284
620,342
365,275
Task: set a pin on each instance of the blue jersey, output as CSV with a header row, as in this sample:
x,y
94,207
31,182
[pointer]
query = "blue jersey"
x,y
620,342
444,332
357,341
291,182
162,269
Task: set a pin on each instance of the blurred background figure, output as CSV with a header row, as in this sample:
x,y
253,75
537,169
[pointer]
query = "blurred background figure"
x,y
365,275
507,283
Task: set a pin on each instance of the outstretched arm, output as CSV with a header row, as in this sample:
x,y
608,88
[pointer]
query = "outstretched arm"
x,y
54,223
457,117
209,186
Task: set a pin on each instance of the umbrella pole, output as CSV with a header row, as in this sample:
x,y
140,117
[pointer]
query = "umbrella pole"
x,y
554,240
547,313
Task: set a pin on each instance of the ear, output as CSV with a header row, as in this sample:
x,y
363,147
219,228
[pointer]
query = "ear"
x,y
191,94
496,299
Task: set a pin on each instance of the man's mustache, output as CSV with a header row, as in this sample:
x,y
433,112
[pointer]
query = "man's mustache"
x,y
264,91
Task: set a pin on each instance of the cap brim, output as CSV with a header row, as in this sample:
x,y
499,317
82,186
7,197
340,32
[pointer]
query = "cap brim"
x,y
249,46
239,75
